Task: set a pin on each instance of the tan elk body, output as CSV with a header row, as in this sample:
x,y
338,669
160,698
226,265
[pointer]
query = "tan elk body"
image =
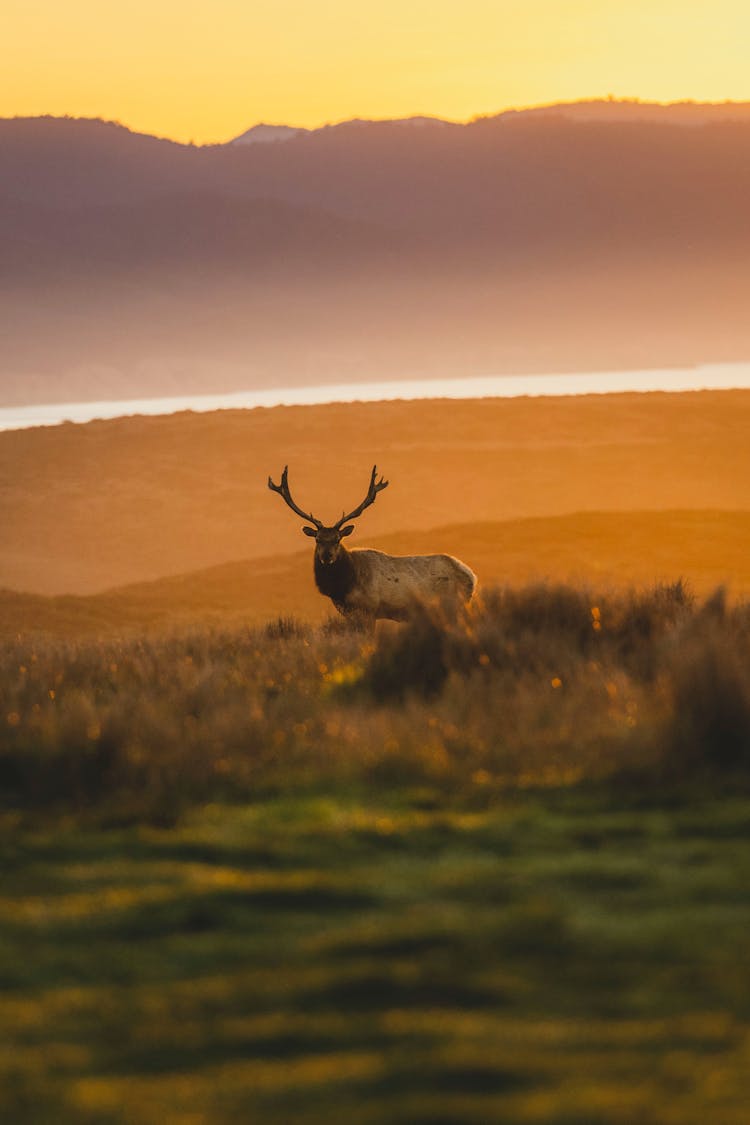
x,y
364,583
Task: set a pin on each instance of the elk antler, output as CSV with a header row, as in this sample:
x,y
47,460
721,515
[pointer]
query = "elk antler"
x,y
286,496
373,490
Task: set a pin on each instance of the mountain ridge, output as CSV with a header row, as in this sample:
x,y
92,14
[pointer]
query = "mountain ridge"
x,y
532,241
683,111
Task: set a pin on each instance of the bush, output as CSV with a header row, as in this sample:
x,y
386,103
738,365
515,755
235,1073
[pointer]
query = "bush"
x,y
415,659
709,728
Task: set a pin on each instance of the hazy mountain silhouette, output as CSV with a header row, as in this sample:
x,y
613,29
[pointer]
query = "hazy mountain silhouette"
x,y
267,134
593,234
633,109
264,134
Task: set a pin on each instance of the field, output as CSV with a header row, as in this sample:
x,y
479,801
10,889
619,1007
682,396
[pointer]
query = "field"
x,y
486,869
260,867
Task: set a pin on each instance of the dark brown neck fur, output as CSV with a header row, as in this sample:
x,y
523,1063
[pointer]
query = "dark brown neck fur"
x,y
338,579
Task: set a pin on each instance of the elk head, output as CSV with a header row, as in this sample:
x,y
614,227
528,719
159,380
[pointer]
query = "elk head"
x,y
328,539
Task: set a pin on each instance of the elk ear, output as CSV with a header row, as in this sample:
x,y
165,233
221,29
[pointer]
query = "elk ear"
x,y
309,531
346,530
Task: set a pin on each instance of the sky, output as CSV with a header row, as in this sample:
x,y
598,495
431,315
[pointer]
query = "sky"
x,y
206,71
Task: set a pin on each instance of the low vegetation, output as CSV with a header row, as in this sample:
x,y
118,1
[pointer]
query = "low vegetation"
x,y
539,686
491,868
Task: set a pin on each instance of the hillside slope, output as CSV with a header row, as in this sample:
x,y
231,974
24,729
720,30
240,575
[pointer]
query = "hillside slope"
x,y
706,549
86,508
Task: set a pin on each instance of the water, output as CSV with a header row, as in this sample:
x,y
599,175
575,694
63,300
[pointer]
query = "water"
x,y
723,376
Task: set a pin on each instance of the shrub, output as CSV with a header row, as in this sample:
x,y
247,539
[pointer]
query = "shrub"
x,y
414,659
709,727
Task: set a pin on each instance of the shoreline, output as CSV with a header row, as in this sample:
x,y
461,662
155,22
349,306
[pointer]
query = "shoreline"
x,y
672,380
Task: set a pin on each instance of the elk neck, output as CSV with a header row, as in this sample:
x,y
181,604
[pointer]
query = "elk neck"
x,y
337,579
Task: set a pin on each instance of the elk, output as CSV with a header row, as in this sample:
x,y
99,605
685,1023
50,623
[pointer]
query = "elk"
x,y
365,584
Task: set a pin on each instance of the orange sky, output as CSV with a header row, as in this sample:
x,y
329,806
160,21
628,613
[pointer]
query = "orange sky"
x,y
207,71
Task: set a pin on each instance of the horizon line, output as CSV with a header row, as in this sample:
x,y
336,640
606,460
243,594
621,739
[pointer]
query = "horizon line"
x,y
600,99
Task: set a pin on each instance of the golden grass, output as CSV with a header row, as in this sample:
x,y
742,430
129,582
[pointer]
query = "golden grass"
x,y
704,548
88,508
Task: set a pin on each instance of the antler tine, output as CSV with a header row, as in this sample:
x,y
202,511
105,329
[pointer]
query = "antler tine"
x,y
286,496
376,486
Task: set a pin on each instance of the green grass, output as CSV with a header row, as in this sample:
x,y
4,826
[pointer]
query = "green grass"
x,y
565,957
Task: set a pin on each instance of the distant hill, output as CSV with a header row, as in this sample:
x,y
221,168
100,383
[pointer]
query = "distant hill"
x,y
264,134
601,549
85,508
267,134
595,234
590,109
633,109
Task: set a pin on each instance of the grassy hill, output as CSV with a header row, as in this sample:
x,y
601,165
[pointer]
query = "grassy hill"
x,y
88,508
704,549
